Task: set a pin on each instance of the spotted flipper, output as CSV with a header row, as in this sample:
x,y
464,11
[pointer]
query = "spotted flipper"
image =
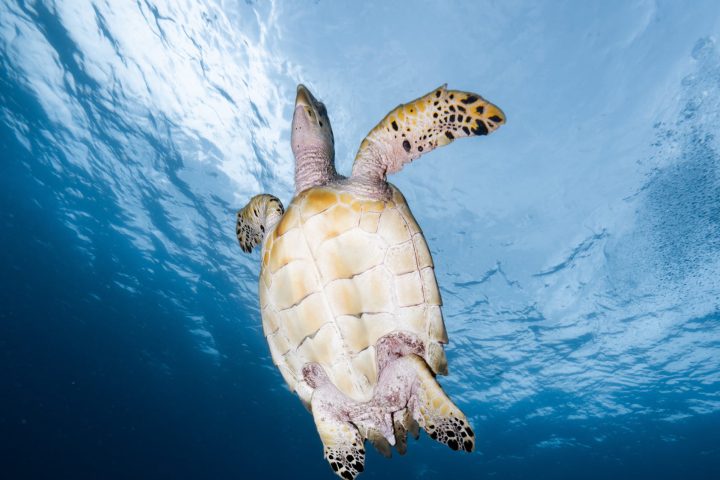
x,y
418,127
257,217
343,445
437,414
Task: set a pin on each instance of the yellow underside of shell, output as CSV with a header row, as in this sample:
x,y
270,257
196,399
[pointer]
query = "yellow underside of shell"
x,y
339,272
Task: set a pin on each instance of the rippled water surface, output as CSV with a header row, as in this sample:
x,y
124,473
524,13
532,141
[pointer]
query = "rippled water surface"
x,y
577,249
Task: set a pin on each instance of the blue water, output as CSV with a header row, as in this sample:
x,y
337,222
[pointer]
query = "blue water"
x,y
577,248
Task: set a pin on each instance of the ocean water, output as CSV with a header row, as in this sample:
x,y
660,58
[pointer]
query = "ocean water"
x,y
577,249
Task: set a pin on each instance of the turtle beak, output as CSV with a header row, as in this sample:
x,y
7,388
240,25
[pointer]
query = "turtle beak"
x,y
304,97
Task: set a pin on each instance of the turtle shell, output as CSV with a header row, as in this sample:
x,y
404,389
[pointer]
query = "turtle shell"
x,y
338,272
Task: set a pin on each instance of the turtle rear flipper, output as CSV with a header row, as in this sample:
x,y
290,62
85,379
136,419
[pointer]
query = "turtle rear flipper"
x,y
417,127
441,419
343,445
257,217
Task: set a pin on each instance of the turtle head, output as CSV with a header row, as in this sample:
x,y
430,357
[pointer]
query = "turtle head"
x,y
311,130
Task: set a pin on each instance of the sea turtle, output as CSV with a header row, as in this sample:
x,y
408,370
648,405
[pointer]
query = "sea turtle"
x,y
349,300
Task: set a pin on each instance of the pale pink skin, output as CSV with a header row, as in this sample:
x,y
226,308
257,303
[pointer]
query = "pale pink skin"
x,y
394,391
313,147
312,143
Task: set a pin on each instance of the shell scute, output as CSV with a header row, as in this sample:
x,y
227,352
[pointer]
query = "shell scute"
x,y
288,374
432,293
412,225
291,246
335,221
317,200
398,197
412,319
400,259
341,375
409,289
369,221
361,332
392,227
366,292
322,347
424,259
436,324
266,278
288,221
364,363
271,321
294,362
292,283
377,206
305,319
435,357
349,254
278,344
263,295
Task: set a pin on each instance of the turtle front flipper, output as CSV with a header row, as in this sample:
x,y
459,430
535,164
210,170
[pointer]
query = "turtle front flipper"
x,y
420,126
256,218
